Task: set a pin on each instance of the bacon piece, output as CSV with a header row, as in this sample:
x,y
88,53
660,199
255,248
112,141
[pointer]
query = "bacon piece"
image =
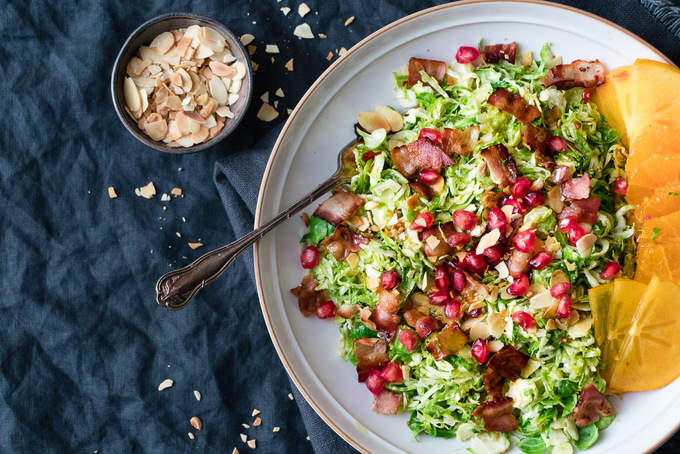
x,y
387,403
461,142
584,210
434,239
508,362
536,139
342,242
590,407
419,155
502,167
339,207
514,105
579,73
576,188
434,68
385,311
446,342
493,383
497,415
561,174
412,316
495,52
371,353
308,297
421,189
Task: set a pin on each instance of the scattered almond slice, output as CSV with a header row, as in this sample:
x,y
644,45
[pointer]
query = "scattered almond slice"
x,y
322,36
349,21
267,113
191,435
329,56
247,38
112,193
176,191
244,437
276,429
265,96
290,396
252,444
245,426
303,9
179,235
276,104
285,10
165,197
303,31
342,51
271,49
196,423
255,412
235,451
279,93
165,384
257,422
195,245
148,191
289,65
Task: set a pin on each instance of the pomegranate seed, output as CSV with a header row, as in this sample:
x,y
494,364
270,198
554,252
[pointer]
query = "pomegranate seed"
x,y
474,313
309,257
467,54
585,96
541,260
521,187
557,144
375,382
425,326
620,186
519,287
519,206
452,310
458,239
367,156
408,339
326,310
566,223
497,220
534,199
559,289
610,270
564,307
479,351
493,254
441,278
388,279
392,373
428,176
422,221
434,135
439,298
523,319
575,233
525,240
464,219
474,263
459,281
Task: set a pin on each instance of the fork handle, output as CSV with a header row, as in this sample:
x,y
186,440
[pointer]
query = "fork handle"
x,y
177,288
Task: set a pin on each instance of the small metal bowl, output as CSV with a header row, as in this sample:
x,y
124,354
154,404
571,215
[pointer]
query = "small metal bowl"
x,y
143,35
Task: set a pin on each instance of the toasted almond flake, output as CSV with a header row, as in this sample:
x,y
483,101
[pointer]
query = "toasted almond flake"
x,y
162,43
235,451
329,56
507,211
255,412
289,111
322,36
267,113
244,437
289,65
165,197
195,245
349,21
503,271
526,58
303,31
148,191
541,300
279,93
487,240
112,193
191,435
222,70
251,49
276,429
196,423
245,426
252,444
257,422
165,384
432,241
585,244
303,9
133,99
372,121
307,437
246,39
285,10
342,51
271,49
494,345
235,86
265,96
231,100
290,396
176,191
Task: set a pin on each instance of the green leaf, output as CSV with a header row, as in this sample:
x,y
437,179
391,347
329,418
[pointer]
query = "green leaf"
x,y
374,139
318,230
362,331
587,436
426,99
547,57
605,421
532,445
674,193
655,233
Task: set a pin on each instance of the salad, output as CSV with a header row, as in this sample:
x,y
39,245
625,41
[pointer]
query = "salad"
x,y
458,260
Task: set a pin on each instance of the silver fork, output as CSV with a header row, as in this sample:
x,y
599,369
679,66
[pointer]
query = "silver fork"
x,y
177,288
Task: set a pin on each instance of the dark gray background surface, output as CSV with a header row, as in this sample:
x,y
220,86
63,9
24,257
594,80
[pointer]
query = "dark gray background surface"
x,y
83,346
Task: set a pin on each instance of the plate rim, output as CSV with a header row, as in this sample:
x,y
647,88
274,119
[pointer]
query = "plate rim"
x,y
291,118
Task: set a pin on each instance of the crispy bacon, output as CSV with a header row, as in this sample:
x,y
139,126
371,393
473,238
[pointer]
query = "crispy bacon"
x,y
495,52
339,207
536,139
584,210
343,241
561,174
387,403
412,316
371,353
439,233
446,342
514,105
419,155
579,73
508,362
576,188
493,383
497,415
421,189
460,142
590,407
502,167
434,68
308,297
385,311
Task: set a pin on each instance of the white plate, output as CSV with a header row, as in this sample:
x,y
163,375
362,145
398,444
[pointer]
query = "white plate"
x,y
305,154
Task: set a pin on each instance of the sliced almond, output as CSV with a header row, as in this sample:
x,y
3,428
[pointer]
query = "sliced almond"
x,y
555,199
235,86
240,68
201,135
303,31
157,130
208,109
133,100
222,70
216,129
165,384
246,39
279,93
196,423
487,240
136,65
393,117
349,21
285,10
252,444
112,192
271,49
289,65
585,244
162,43
218,90
203,51
233,97
303,9
371,121
267,113
148,191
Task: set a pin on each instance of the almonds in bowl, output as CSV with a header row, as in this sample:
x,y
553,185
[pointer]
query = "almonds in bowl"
x,y
185,87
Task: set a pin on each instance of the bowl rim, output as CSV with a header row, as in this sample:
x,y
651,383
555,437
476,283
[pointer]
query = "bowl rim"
x,y
258,219
160,146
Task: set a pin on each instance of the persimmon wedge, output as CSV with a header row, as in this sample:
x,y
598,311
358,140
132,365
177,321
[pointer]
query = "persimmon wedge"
x,y
605,96
664,200
658,249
